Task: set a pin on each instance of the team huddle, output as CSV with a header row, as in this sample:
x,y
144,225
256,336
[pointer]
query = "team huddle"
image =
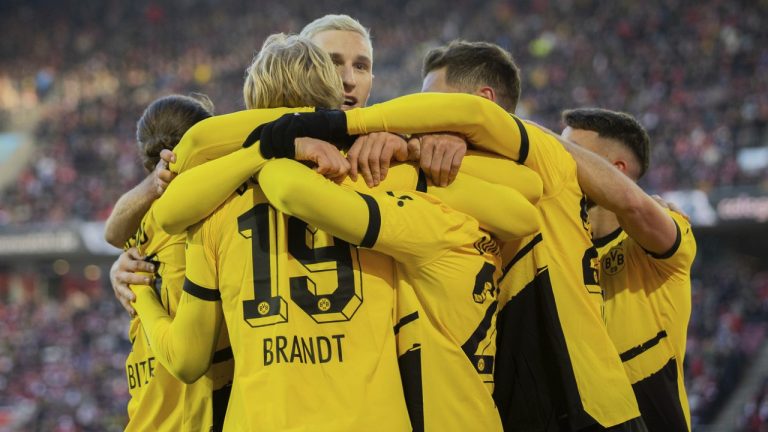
x,y
429,263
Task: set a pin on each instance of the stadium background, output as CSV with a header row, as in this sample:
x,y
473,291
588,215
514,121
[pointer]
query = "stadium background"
x,y
76,74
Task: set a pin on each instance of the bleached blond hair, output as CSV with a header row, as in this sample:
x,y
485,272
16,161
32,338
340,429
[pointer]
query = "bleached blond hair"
x,y
291,71
337,22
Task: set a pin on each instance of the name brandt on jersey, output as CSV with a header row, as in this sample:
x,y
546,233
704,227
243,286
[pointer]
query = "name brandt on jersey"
x,y
300,349
140,373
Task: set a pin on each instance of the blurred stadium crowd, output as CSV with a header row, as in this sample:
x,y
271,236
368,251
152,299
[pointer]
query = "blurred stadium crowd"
x,y
695,74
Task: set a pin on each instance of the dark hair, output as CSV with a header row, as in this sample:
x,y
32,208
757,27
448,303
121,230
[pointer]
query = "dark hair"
x,y
469,65
165,121
619,126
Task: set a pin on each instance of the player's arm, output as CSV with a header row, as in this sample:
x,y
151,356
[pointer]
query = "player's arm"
x,y
485,124
639,215
185,343
129,209
198,315
417,232
500,210
196,193
501,171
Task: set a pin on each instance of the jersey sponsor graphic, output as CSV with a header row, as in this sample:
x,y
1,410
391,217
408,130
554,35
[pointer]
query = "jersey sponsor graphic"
x,y
140,373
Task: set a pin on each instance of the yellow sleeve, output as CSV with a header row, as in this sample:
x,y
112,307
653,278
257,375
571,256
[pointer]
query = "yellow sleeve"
x,y
196,193
198,316
170,338
212,164
485,124
221,135
500,210
498,170
408,226
679,259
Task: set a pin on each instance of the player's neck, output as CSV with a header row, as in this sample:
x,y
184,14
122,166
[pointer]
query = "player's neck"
x,y
603,222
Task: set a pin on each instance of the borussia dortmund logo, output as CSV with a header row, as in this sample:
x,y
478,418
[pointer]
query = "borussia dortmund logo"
x,y
613,261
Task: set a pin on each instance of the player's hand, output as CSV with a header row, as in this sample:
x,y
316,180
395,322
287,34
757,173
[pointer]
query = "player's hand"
x,y
670,206
441,156
277,138
372,154
125,272
162,175
324,157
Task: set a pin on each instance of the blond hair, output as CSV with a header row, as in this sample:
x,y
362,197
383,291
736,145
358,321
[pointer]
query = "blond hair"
x,y
336,22
291,71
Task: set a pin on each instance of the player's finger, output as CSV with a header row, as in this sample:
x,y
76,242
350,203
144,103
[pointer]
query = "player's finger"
x,y
414,149
456,164
374,157
445,167
437,162
425,159
353,154
363,166
385,159
168,156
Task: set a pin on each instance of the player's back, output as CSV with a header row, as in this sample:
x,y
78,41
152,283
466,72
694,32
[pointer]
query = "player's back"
x,y
560,264
446,310
159,401
310,319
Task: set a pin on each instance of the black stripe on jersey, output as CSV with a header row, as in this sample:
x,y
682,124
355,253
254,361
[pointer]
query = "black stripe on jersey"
x,y
219,403
643,347
521,253
410,374
675,246
421,184
658,398
196,290
374,222
405,320
524,142
222,355
604,240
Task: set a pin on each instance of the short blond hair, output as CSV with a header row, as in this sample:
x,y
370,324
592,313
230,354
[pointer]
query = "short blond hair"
x,y
336,22
291,71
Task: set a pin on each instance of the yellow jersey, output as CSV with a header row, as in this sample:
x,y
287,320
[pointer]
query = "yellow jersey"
x,y
159,401
647,309
310,320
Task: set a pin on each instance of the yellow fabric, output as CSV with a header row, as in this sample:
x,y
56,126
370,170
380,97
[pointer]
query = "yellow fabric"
x,y
646,295
193,195
605,392
310,321
159,401
447,268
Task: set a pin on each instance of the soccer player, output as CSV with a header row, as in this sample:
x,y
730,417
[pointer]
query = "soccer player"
x,y
158,400
310,318
646,253
556,365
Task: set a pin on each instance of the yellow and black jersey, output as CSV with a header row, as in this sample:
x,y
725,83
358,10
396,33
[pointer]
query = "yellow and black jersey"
x,y
158,400
446,294
647,309
593,383
309,316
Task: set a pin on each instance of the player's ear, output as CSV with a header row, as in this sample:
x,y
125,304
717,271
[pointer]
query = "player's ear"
x,y
621,165
486,92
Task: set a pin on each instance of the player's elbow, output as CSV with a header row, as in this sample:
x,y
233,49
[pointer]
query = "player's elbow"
x,y
279,188
523,221
112,237
189,372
